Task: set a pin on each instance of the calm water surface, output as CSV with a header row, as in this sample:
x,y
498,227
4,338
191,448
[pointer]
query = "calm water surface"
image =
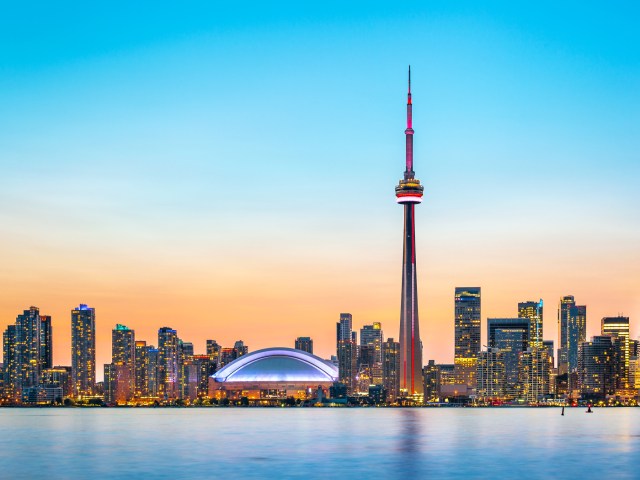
x,y
316,443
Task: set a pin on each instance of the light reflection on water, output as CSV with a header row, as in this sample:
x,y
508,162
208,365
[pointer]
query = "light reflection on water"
x,y
311,443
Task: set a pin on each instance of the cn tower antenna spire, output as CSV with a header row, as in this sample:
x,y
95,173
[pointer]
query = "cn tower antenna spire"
x,y
409,134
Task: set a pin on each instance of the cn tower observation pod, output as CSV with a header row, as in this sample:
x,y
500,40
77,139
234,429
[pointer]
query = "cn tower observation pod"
x,y
277,365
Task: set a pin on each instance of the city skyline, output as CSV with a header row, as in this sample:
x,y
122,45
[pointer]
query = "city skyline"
x,y
528,143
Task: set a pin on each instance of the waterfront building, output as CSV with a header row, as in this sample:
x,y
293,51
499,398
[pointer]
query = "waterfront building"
x,y
11,390
28,348
511,336
46,342
408,194
391,368
123,352
566,303
347,352
548,346
576,334
204,370
467,311
534,312
371,339
83,350
58,376
168,363
619,327
305,344
152,371
213,351
597,366
430,378
141,369
273,374
533,371
491,375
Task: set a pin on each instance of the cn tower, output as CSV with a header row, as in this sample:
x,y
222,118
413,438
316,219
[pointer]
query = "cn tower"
x,y
408,194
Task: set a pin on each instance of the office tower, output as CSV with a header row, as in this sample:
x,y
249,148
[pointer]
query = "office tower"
x,y
566,303
83,350
534,312
10,367
347,352
152,371
371,336
430,378
491,375
305,344
187,374
366,362
204,370
227,355
123,353
391,368
511,337
447,381
28,329
547,345
46,342
467,308
576,334
597,366
619,327
142,369
534,372
213,351
408,193
110,383
168,363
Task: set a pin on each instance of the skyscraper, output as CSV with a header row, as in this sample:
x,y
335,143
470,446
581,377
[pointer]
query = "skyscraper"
x,y
28,330
123,354
566,303
534,312
142,369
46,342
83,350
619,327
371,336
347,351
576,334
168,363
511,337
10,366
391,368
408,193
305,344
467,310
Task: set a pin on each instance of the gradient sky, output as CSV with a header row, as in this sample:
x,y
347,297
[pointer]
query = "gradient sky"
x,y
230,172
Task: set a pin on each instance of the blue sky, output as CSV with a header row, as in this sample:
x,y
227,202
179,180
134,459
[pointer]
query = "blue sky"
x,y
269,137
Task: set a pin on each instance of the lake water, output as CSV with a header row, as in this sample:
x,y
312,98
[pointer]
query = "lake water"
x,y
319,443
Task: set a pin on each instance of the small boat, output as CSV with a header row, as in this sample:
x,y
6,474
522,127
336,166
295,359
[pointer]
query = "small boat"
x,y
589,409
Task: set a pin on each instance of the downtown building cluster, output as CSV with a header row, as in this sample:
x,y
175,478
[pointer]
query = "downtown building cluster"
x,y
514,365
517,364
138,373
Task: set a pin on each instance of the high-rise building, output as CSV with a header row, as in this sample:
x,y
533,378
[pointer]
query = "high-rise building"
x,y
152,371
409,193
83,350
566,303
391,368
11,368
619,327
46,342
371,336
58,376
213,351
123,353
491,375
305,344
549,347
142,369
430,376
347,351
597,366
533,371
168,363
467,310
576,334
511,337
28,348
534,312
